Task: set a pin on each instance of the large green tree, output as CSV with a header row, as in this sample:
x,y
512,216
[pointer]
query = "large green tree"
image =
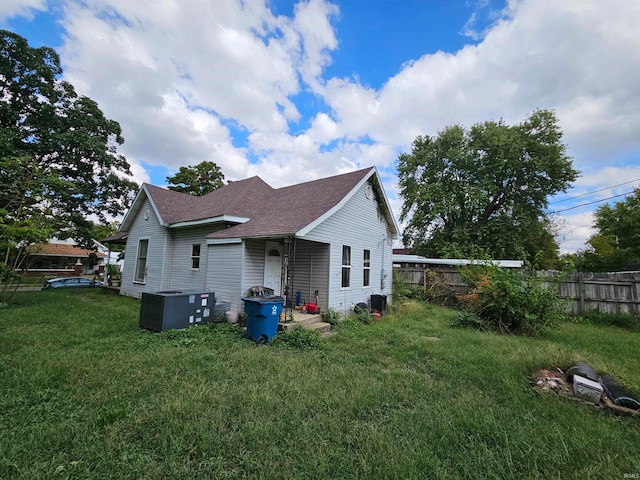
x,y
617,241
197,180
59,165
483,191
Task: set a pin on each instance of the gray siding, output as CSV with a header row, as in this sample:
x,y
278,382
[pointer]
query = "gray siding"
x,y
179,273
224,273
151,229
311,271
357,225
253,263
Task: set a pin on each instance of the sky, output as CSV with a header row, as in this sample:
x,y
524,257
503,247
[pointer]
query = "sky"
x,y
295,91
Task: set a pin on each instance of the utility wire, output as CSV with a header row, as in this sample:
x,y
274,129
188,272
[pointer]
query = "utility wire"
x,y
595,191
591,203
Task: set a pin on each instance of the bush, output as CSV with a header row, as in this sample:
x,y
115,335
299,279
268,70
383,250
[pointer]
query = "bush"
x,y
509,302
467,319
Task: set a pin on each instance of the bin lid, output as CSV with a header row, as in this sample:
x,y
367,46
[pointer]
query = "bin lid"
x,y
271,298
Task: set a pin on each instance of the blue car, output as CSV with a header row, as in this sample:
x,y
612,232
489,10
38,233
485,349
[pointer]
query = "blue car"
x,y
71,282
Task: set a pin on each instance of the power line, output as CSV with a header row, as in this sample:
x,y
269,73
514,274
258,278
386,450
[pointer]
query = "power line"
x,y
591,203
595,191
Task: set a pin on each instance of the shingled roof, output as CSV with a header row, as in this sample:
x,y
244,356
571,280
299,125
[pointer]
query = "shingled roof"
x,y
61,250
265,211
293,208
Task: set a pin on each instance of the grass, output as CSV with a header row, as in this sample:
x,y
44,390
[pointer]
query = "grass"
x,y
84,393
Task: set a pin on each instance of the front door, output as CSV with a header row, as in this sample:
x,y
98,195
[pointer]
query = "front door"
x,y
273,266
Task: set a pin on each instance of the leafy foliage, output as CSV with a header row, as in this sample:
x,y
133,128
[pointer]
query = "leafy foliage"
x,y
197,180
58,157
617,242
508,302
482,191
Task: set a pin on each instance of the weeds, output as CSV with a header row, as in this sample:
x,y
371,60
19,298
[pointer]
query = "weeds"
x,y
298,337
330,316
629,321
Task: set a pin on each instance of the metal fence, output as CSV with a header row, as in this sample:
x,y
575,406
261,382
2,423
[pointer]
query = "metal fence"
x,y
617,292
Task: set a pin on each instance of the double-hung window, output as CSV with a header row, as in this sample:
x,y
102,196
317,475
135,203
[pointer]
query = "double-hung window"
x,y
366,268
195,256
141,260
346,266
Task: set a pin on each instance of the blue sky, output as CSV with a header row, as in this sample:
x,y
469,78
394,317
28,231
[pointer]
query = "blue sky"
x,y
294,91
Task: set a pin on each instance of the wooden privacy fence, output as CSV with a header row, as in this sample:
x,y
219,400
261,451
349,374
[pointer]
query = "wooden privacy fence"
x,y
617,292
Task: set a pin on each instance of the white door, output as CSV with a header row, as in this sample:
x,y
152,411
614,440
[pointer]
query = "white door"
x,y
273,266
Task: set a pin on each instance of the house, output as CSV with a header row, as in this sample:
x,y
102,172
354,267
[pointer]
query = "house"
x,y
65,259
328,239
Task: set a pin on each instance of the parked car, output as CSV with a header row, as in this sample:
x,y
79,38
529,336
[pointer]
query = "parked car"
x,y
71,282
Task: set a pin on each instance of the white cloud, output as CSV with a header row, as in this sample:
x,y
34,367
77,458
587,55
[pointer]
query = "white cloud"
x,y
22,8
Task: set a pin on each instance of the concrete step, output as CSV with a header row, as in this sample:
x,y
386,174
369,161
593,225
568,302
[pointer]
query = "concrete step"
x,y
308,320
311,323
289,325
319,326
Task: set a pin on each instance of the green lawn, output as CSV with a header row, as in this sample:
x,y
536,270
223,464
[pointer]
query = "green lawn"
x,y
84,393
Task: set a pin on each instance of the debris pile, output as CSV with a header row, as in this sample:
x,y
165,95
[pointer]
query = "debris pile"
x,y
582,382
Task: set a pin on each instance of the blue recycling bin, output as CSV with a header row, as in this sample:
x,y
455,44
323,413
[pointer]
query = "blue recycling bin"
x,y
263,314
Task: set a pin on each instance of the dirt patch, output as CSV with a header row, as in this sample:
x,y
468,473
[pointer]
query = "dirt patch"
x,y
552,380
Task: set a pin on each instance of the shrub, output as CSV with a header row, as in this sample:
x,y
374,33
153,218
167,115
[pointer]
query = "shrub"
x,y
509,302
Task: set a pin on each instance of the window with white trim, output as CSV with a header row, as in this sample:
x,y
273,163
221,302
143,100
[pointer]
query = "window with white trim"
x,y
346,266
141,260
195,256
366,268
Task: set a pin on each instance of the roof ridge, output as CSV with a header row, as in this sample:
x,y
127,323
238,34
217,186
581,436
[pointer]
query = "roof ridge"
x,y
246,184
331,178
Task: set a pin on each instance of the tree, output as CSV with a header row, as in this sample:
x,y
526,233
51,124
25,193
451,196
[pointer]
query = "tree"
x,y
483,191
617,242
59,164
197,180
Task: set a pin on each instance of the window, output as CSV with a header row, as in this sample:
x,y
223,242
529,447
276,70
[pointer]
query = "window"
x,y
346,266
195,256
141,263
366,263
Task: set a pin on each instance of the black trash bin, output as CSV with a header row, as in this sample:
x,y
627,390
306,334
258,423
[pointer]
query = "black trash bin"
x,y
175,309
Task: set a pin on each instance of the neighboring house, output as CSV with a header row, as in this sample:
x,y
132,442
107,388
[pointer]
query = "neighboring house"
x,y
332,236
65,259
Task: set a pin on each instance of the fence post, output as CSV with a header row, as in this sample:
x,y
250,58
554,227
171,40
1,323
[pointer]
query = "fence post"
x,y
580,294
